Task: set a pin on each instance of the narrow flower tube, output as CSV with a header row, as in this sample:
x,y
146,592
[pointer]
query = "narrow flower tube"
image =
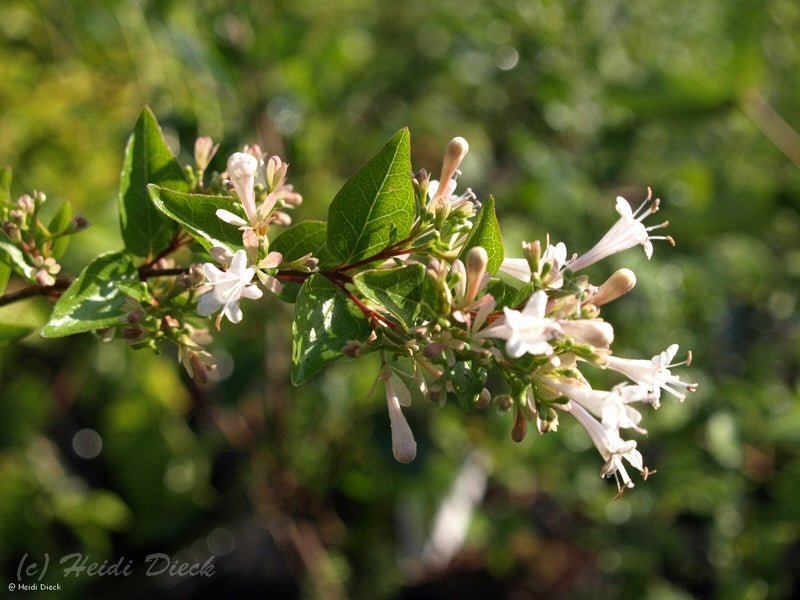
x,y
627,232
404,447
242,172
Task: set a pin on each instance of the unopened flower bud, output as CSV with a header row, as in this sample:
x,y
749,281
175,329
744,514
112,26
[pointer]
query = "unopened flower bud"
x,y
281,218
484,399
476,262
204,151
44,279
504,402
594,332
520,428
25,203
619,284
78,223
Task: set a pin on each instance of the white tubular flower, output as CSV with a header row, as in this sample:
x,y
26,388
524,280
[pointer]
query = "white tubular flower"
x,y
242,169
518,268
611,407
227,288
654,374
404,446
611,447
626,233
595,332
525,332
555,255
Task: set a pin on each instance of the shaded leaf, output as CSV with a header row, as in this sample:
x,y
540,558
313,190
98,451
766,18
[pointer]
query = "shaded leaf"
x,y
324,320
13,256
58,223
5,185
508,292
486,233
197,214
376,206
95,299
467,382
11,333
398,290
302,238
5,274
148,159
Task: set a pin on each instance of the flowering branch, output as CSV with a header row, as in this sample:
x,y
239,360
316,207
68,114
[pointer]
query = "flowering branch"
x,y
404,266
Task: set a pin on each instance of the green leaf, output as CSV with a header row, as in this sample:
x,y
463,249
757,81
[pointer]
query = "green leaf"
x,y
398,290
486,232
12,255
95,299
467,382
5,185
297,241
148,159
376,206
5,274
59,223
197,214
12,333
307,236
324,320
508,292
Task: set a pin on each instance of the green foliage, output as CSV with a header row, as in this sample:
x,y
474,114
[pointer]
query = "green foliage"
x,y
12,333
302,238
59,223
508,291
13,256
148,160
197,215
399,290
486,233
468,382
95,299
376,206
5,274
324,321
5,185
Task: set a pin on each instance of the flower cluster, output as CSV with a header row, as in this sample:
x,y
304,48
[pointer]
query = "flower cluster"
x,y
404,267
535,323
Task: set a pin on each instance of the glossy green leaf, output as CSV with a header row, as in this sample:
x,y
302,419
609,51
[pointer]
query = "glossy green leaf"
x,y
307,236
467,382
13,256
95,299
5,185
508,291
486,232
5,274
197,214
324,320
12,333
59,223
376,206
148,159
398,290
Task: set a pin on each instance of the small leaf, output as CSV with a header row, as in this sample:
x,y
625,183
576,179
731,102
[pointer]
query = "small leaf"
x,y
148,159
486,232
12,333
376,206
197,213
324,320
12,255
5,185
397,290
5,274
467,382
508,292
307,236
95,299
59,223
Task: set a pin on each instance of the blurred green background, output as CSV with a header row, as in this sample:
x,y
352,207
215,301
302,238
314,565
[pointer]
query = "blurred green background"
x,y
112,453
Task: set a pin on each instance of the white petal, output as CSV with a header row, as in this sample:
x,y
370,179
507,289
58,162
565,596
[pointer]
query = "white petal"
x,y
519,268
231,218
233,312
253,292
207,305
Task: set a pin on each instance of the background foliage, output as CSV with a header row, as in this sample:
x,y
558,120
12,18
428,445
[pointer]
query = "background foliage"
x,y
565,104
